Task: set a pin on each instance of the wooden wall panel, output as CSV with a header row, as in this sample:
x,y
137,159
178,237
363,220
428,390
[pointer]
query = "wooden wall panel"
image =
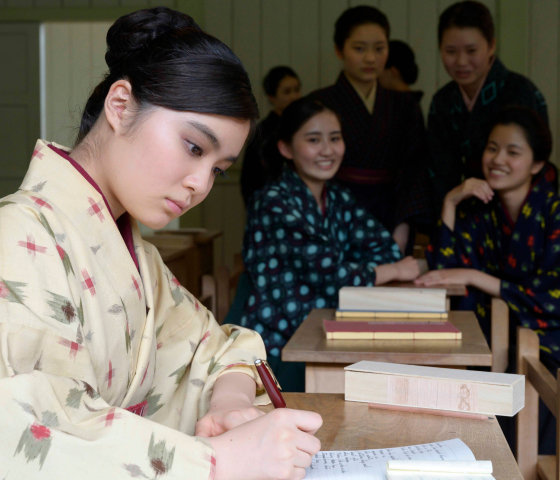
x,y
135,3
330,65
543,63
218,15
397,12
422,38
305,43
276,44
105,3
48,3
58,48
247,40
355,3
19,3
76,3
75,63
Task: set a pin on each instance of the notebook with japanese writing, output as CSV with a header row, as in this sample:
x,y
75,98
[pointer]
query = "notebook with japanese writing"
x,y
372,464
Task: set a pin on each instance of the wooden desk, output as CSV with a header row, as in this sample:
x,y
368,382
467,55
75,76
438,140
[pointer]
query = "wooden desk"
x,y
189,255
354,426
325,359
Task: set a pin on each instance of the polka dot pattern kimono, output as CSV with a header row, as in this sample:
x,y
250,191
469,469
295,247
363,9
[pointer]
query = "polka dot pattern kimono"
x,y
299,257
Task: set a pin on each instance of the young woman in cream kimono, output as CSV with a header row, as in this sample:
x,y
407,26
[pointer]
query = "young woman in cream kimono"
x,y
108,367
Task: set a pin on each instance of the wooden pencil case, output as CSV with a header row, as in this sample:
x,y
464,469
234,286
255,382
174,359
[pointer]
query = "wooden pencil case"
x,y
435,388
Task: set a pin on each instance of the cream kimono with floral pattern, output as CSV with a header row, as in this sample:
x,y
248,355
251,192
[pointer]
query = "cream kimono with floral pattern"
x,y
84,336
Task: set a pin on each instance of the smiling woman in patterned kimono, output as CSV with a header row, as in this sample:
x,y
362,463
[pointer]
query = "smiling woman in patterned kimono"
x,y
481,86
108,367
306,236
500,236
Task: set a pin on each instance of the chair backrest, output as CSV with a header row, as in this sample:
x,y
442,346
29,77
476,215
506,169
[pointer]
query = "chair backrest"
x,y
208,294
499,335
539,382
226,282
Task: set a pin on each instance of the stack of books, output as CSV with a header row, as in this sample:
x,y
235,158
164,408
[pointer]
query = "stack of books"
x,y
386,313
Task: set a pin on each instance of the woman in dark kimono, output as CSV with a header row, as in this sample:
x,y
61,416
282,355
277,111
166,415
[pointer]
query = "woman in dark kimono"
x,y
401,70
481,86
386,153
262,162
500,236
306,237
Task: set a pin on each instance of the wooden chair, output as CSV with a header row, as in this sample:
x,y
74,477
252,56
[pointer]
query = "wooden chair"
x,y
539,382
421,242
209,294
499,333
226,284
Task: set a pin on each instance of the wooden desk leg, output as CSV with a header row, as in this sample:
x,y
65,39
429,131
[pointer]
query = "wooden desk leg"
x,y
324,377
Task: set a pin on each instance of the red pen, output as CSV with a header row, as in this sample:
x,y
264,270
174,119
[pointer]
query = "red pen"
x,y
270,383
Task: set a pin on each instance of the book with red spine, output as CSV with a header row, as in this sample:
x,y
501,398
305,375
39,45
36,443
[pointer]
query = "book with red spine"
x,y
390,331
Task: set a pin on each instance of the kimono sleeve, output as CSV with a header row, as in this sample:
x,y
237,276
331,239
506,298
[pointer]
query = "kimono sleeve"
x,y
370,243
412,190
458,248
54,423
193,350
536,298
279,239
444,168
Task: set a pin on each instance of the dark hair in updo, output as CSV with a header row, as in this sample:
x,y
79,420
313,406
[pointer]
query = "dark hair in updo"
x,y
273,78
296,114
535,129
469,14
402,58
355,17
170,62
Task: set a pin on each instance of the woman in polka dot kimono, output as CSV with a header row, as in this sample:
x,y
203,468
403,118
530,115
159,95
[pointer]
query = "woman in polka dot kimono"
x,y
306,237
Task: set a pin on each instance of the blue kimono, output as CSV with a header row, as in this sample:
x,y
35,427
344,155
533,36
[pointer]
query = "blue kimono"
x,y
524,255
299,257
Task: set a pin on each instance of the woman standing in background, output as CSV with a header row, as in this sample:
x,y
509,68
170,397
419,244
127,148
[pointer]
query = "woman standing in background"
x,y
385,161
262,162
481,86
401,70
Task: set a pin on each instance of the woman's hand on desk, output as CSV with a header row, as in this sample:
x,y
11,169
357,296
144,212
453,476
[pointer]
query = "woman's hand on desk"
x,y
448,276
275,446
462,276
404,270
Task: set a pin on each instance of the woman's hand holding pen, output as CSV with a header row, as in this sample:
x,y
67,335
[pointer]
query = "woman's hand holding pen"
x,y
276,446
230,406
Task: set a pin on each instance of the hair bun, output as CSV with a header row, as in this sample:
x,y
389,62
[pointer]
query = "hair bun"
x,y
134,32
